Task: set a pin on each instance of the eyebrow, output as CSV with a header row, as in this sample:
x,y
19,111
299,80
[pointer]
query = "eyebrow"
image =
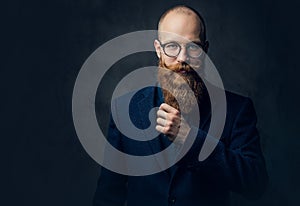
x,y
170,41
197,42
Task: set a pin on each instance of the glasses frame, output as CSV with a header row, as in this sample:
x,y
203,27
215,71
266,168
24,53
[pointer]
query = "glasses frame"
x,y
180,48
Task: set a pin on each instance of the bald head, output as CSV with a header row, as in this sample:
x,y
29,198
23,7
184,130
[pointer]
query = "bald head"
x,y
181,26
192,18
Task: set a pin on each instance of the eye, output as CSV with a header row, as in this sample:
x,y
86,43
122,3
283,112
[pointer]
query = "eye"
x,y
172,46
193,47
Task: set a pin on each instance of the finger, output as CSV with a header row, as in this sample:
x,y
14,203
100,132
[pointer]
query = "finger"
x,y
172,119
161,121
169,109
162,114
167,129
160,129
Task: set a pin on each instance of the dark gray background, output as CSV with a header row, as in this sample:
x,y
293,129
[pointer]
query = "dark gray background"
x,y
44,44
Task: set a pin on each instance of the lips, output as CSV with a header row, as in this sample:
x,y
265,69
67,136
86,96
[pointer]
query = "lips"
x,y
182,72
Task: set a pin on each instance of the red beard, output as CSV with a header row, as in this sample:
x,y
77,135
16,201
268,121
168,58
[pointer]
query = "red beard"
x,y
179,90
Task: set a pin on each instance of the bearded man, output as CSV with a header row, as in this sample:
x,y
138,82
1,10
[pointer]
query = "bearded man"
x,y
235,165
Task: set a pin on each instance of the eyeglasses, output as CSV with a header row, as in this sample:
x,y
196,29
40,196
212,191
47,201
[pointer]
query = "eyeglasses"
x,y
172,49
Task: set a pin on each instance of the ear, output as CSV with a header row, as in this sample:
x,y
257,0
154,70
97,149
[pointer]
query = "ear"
x,y
206,46
157,48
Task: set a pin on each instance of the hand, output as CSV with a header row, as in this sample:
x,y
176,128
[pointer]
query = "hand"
x,y
169,122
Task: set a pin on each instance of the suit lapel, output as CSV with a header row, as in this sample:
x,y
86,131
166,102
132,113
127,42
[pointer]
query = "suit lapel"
x,y
205,111
145,103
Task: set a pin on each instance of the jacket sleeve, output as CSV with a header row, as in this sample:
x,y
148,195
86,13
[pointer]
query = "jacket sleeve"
x,y
112,187
237,163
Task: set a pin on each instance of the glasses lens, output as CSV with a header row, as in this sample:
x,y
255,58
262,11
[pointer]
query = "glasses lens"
x,y
194,50
172,49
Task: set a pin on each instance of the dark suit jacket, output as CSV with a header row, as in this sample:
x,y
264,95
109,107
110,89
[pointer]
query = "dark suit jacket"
x,y
236,164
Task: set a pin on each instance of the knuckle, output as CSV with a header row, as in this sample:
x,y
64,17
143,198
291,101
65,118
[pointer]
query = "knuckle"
x,y
176,112
167,128
172,117
159,112
157,128
169,124
164,130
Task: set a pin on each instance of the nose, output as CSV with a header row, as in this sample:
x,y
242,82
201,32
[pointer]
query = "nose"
x,y
182,56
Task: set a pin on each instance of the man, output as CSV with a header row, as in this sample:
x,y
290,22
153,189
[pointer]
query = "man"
x,y
235,165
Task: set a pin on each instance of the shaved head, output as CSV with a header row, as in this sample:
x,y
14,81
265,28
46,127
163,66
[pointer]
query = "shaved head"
x,y
187,11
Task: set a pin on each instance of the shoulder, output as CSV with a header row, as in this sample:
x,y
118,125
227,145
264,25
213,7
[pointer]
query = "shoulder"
x,y
236,99
233,100
240,107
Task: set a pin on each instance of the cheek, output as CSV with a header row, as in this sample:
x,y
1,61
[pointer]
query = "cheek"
x,y
169,61
195,63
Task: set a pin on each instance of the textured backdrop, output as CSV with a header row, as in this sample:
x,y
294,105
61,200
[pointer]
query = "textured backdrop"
x,y
252,43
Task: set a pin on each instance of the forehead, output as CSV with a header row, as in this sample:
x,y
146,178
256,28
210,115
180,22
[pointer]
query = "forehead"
x,y
180,27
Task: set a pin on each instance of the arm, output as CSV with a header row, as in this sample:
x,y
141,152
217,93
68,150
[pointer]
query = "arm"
x,y
237,162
